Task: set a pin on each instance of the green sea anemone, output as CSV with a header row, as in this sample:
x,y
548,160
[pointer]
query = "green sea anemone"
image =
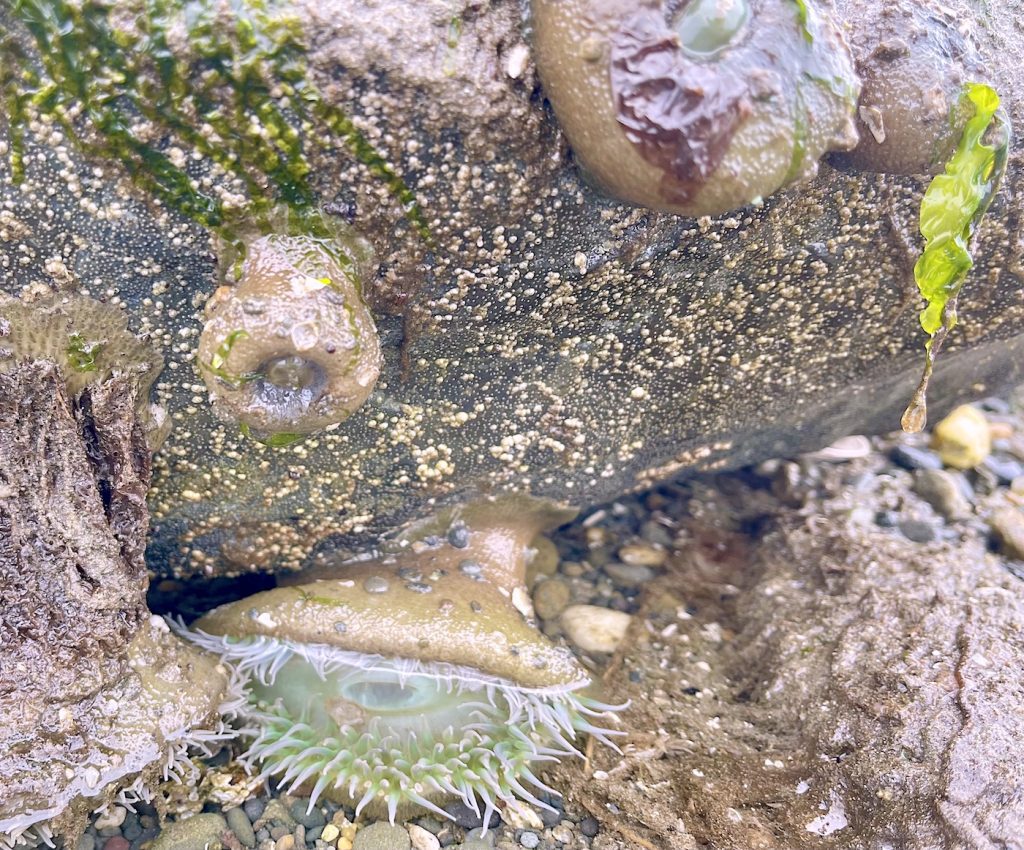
x,y
292,348
416,678
696,108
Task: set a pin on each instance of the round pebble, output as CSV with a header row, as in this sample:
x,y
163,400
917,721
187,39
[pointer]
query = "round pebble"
x,y
112,818
918,530
629,575
550,598
241,826
253,808
595,629
116,842
314,817
963,439
465,817
476,839
86,842
382,836
1008,526
422,839
529,840
199,832
642,555
590,827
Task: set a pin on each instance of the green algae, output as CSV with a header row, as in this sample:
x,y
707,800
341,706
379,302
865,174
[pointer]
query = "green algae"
x,y
82,354
239,96
951,212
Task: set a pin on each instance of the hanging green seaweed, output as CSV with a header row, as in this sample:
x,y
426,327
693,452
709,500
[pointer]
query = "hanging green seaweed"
x,y
951,211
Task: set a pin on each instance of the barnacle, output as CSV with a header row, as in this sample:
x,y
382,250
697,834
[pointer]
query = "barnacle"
x,y
292,348
411,679
89,341
696,108
914,59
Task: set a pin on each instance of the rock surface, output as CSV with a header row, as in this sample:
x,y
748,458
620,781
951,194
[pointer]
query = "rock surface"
x,y
93,693
545,339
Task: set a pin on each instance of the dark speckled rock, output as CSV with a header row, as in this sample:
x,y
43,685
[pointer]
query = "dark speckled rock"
x,y
545,338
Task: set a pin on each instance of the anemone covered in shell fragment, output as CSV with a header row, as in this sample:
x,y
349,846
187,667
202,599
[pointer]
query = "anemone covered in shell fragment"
x,y
291,349
408,680
696,107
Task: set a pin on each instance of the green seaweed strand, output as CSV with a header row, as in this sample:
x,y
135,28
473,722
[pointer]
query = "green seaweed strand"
x,y
951,211
238,95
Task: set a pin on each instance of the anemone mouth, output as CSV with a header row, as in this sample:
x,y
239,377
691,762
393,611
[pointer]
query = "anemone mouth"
x,y
401,732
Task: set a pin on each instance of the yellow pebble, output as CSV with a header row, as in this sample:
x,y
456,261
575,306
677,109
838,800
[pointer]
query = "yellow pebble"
x,y
344,843
963,439
330,833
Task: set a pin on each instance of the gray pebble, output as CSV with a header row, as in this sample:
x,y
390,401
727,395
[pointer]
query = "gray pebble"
x,y
549,818
465,817
86,842
240,826
918,530
476,840
912,457
131,828
590,827
253,808
382,836
198,832
529,840
629,575
1004,468
944,492
298,811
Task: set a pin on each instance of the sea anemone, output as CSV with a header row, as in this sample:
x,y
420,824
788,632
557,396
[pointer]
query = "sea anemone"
x,y
415,678
696,107
914,59
89,341
291,348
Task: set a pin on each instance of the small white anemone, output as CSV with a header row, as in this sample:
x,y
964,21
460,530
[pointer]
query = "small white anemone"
x,y
364,728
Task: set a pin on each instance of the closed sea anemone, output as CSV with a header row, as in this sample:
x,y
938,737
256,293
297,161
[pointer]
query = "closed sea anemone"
x,y
413,679
914,58
696,107
291,348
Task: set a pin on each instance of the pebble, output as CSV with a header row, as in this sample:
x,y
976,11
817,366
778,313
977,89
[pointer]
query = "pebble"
x,y
253,808
112,818
298,811
529,840
917,530
86,842
285,842
629,575
196,833
590,827
544,562
642,555
465,817
595,629
562,834
116,842
944,492
382,836
422,839
963,439
476,840
1008,526
241,826
913,457
1005,469
330,833
550,598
